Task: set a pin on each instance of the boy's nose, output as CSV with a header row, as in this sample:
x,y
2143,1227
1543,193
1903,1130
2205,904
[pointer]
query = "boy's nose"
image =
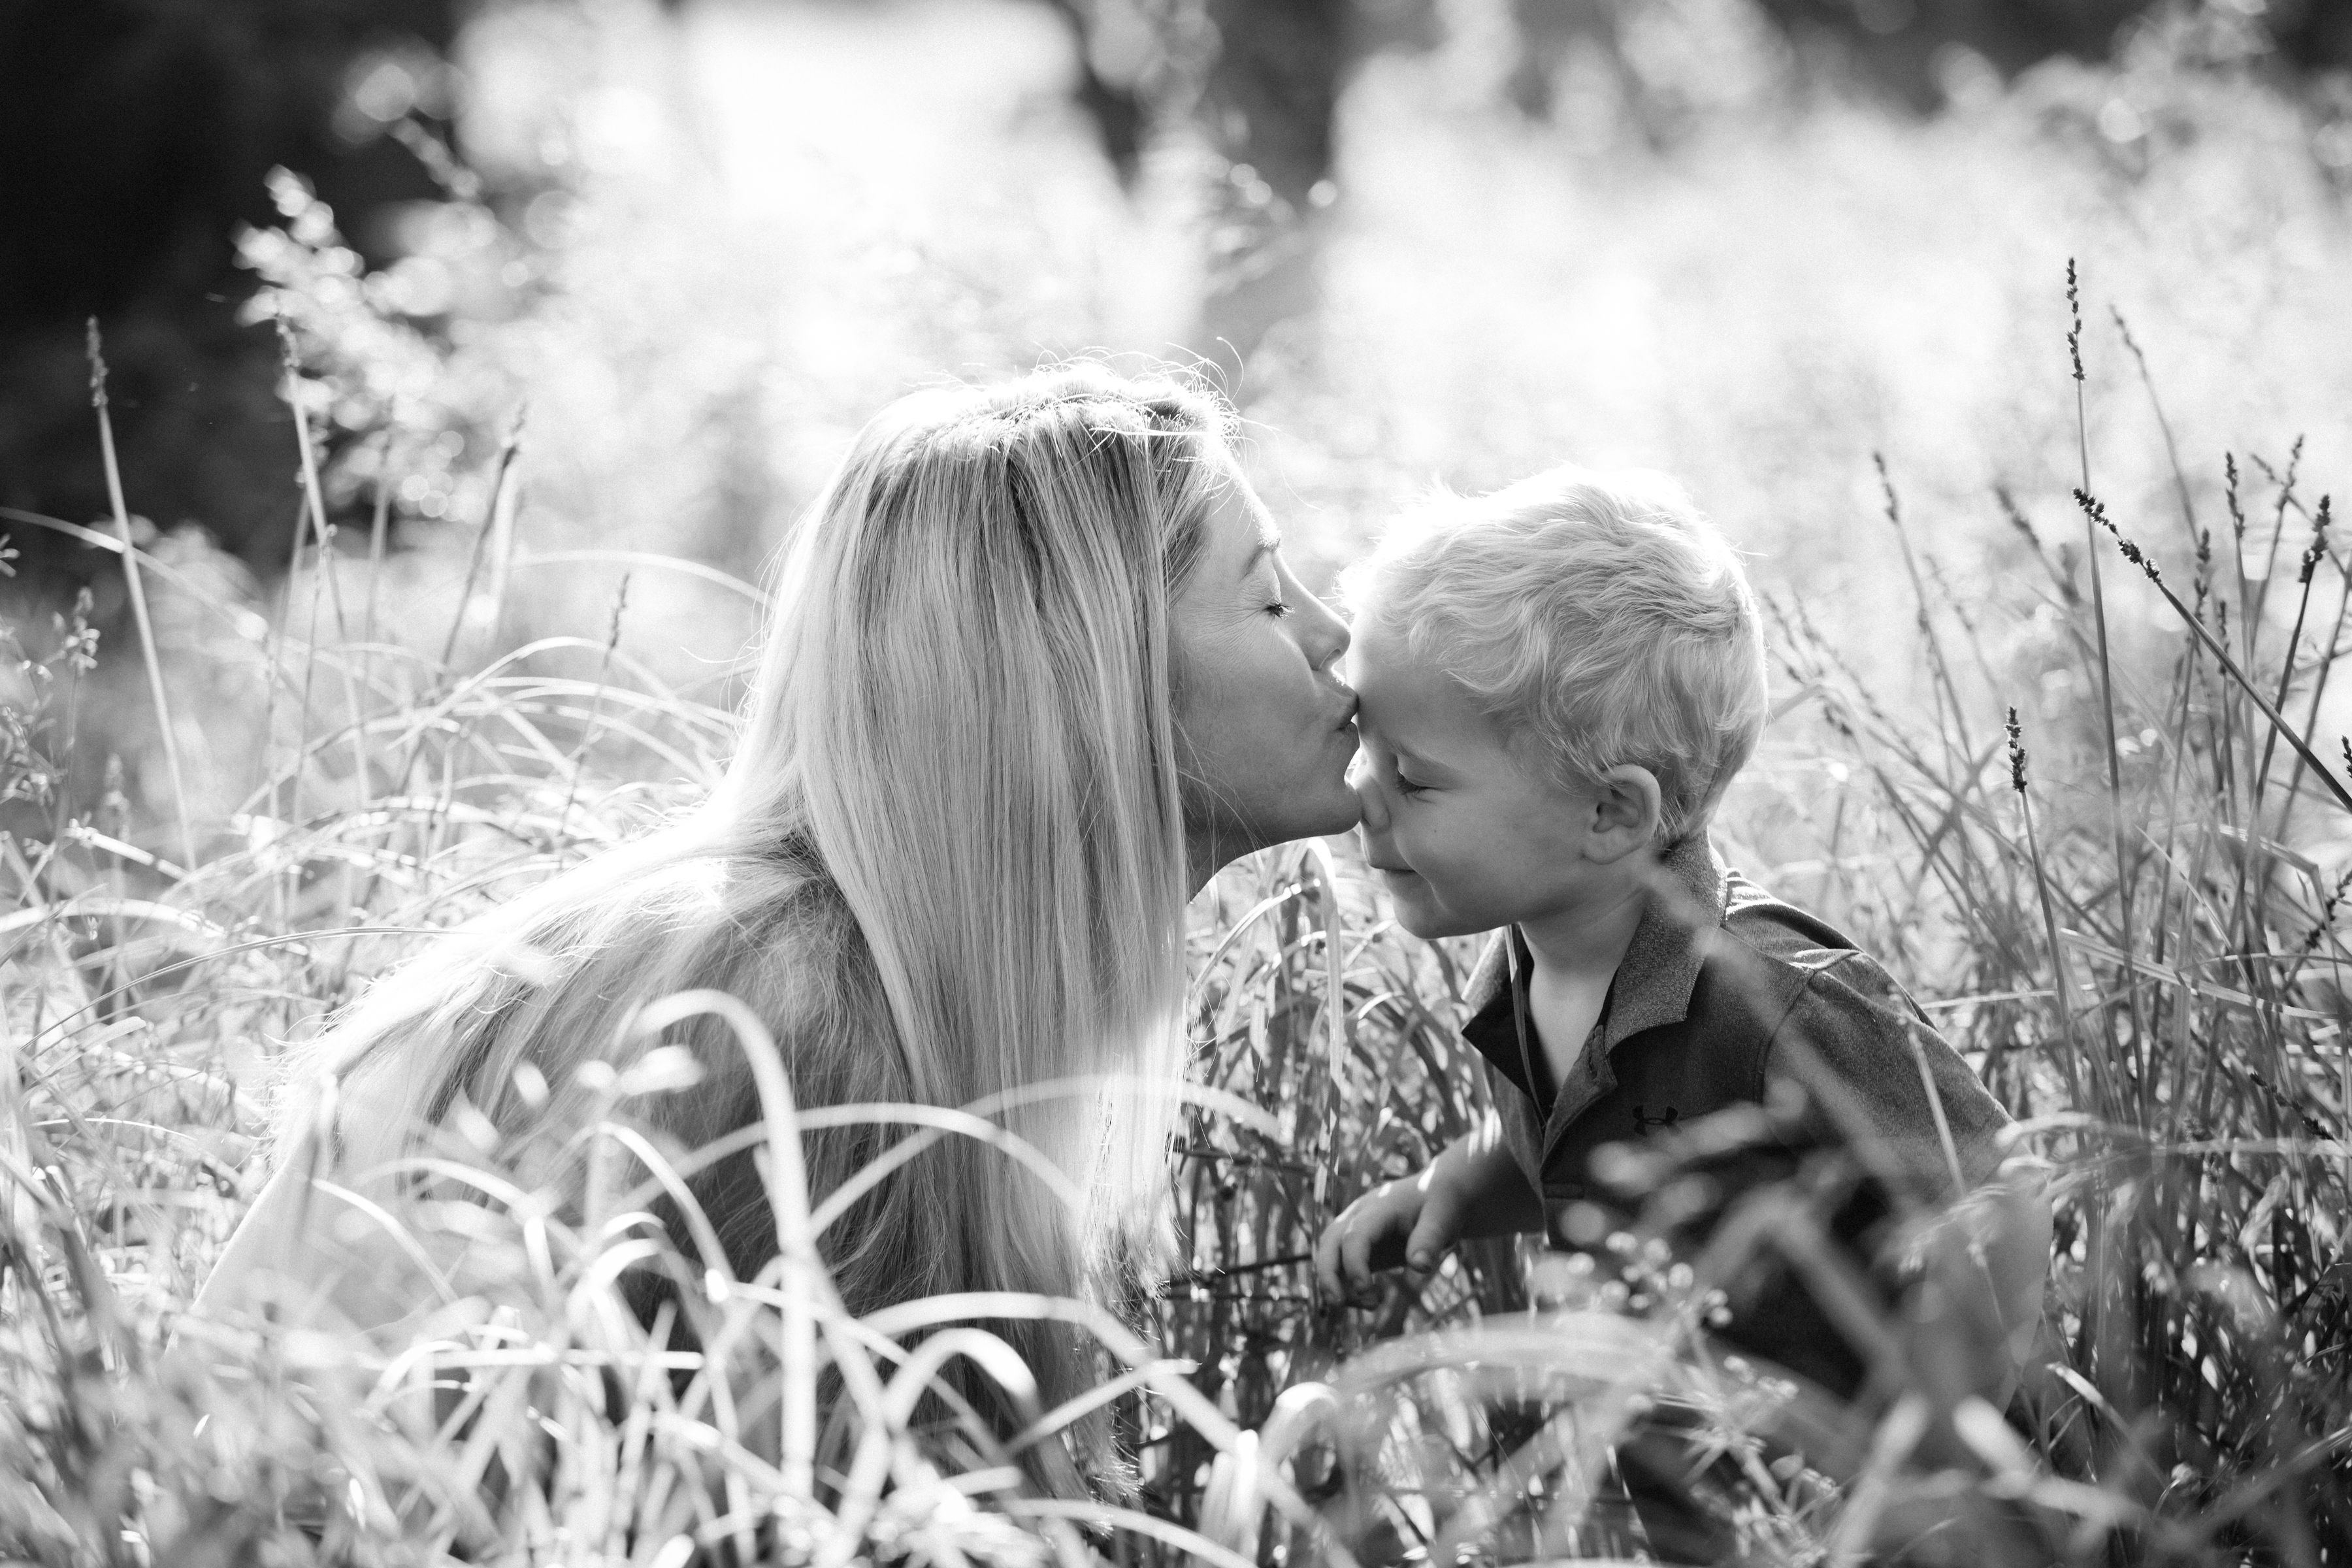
x,y
1376,807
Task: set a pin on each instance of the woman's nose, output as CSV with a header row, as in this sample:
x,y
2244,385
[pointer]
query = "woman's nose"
x,y
1327,635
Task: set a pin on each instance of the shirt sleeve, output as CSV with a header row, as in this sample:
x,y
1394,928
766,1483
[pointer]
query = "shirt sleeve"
x,y
1878,1079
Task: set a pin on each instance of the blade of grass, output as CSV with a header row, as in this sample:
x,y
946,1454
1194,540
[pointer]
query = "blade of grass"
x,y
500,480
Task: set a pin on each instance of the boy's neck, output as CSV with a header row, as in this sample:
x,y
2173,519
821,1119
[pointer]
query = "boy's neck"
x,y
1586,941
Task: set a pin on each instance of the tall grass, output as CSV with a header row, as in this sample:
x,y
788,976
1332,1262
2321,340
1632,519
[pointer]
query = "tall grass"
x,y
2127,917
2147,963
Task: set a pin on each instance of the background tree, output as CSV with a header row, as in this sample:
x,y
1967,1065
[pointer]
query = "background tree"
x,y
139,133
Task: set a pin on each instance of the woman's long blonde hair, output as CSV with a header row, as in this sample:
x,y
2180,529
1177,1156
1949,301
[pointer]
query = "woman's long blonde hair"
x,y
947,861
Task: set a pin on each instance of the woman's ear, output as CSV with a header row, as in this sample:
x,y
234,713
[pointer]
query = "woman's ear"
x,y
1627,809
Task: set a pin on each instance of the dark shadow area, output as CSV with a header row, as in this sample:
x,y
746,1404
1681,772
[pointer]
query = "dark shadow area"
x,y
139,133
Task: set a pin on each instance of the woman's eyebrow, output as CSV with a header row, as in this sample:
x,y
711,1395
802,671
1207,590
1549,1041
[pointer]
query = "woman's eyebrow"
x,y
1265,546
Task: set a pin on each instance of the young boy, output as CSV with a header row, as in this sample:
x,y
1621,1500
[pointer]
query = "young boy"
x,y
1558,681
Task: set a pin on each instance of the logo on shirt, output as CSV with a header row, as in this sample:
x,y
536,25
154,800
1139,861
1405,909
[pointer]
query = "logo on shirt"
x,y
1642,1123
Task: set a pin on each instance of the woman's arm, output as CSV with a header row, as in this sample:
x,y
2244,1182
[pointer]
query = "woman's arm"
x,y
330,1244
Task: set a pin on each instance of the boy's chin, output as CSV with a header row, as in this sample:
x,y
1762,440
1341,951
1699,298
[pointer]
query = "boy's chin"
x,y
1409,896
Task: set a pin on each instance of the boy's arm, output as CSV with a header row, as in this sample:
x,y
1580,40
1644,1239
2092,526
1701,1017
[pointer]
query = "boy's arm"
x,y
1494,1193
1882,1081
1976,1306
1474,1188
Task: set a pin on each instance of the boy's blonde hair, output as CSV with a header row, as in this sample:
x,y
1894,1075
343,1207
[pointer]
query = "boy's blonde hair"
x,y
1598,617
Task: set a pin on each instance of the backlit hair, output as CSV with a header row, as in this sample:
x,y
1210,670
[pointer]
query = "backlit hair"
x,y
1597,617
946,862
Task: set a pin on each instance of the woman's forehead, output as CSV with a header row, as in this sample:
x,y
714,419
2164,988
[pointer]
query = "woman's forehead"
x,y
1238,520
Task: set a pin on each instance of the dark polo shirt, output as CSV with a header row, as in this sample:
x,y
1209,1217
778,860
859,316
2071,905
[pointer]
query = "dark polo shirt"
x,y
1724,992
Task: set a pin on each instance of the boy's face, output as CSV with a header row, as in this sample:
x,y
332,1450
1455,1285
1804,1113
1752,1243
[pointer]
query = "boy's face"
x,y
1465,838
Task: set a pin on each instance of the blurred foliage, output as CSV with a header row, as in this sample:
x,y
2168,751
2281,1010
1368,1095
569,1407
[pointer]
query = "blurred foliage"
x,y
145,126
140,132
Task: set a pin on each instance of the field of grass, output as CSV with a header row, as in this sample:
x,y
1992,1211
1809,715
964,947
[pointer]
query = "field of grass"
x,y
2097,823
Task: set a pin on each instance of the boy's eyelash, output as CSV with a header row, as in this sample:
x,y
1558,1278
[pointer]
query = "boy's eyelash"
x,y
1406,786
1280,608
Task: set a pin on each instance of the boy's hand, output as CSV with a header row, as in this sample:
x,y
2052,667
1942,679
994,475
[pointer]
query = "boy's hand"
x,y
1409,1223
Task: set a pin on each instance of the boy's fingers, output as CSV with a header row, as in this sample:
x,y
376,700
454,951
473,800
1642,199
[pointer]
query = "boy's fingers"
x,y
1433,1235
1327,1258
1430,1238
1355,1257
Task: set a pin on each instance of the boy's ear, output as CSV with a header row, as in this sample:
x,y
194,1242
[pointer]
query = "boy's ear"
x,y
1627,808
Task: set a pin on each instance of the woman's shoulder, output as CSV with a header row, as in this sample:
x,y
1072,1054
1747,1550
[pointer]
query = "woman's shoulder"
x,y
768,924
678,885
778,903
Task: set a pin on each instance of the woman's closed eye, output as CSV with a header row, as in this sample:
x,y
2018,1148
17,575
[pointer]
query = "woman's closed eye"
x,y
1276,605
1409,789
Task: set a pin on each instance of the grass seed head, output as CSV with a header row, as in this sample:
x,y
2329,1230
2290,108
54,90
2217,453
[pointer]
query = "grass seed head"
x,y
2317,549
2093,509
2016,516
96,353
2074,314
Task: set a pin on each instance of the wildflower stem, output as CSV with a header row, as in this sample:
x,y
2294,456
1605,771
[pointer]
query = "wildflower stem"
x,y
375,540
315,504
2311,559
1948,696
595,713
139,614
2318,692
2060,983
2164,429
2106,666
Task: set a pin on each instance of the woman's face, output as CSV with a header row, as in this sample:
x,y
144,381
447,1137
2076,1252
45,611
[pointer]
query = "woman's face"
x,y
1265,727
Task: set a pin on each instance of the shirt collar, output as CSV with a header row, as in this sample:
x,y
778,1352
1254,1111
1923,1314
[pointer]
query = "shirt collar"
x,y
1654,982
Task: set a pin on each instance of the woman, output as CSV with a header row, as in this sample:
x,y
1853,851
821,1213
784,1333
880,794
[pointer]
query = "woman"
x,y
1035,670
